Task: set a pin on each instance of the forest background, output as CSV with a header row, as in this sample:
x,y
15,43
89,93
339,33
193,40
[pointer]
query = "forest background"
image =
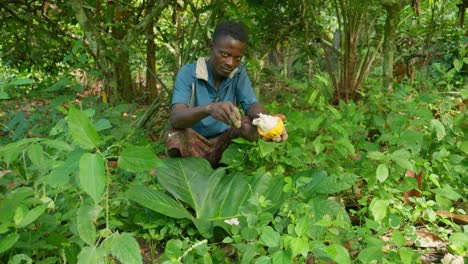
x,y
374,170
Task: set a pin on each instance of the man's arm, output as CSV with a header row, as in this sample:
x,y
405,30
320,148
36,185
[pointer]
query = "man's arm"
x,y
255,109
184,117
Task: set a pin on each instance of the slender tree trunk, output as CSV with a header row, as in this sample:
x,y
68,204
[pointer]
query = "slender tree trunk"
x,y
392,8
150,60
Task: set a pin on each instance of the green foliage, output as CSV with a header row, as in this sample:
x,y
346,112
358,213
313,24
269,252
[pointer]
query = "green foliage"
x,y
214,196
59,173
78,184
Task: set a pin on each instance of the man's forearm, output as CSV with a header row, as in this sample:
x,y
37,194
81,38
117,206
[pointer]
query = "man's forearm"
x,y
184,117
255,109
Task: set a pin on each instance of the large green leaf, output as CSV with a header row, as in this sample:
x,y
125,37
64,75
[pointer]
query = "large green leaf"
x,y
138,159
270,237
212,194
32,215
91,255
85,223
379,209
125,248
322,183
8,241
81,129
92,175
439,128
338,253
158,201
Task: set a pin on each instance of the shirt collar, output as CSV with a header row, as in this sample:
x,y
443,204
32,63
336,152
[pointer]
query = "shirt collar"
x,y
201,71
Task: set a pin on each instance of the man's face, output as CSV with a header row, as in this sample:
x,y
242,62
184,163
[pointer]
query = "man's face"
x,y
227,53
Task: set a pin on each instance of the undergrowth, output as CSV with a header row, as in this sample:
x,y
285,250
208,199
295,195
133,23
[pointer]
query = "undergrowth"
x,y
361,181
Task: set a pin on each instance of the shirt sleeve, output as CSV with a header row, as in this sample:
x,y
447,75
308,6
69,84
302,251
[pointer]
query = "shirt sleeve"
x,y
183,86
244,91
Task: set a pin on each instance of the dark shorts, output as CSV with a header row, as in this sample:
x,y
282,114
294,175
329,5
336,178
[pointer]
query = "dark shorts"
x,y
188,143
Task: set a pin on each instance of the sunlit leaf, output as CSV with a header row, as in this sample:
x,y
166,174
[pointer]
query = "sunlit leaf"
x,y
458,64
439,128
125,248
382,172
338,253
370,254
85,224
447,192
92,175
102,124
36,154
299,246
270,237
266,147
91,255
81,129
375,155
379,209
281,257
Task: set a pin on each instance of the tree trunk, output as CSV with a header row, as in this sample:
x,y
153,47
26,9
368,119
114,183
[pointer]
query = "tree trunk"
x,y
391,26
150,60
116,72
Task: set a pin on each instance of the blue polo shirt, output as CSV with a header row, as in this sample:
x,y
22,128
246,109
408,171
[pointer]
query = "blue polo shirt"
x,y
236,88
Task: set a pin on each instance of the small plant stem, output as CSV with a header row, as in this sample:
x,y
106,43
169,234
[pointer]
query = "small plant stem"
x,y
199,243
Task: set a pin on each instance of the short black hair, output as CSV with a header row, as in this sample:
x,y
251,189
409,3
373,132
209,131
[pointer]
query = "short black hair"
x,y
230,28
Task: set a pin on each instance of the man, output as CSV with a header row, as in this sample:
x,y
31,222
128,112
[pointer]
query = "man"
x,y
204,115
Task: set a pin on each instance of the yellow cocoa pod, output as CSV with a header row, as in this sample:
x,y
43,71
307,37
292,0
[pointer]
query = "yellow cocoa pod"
x,y
275,132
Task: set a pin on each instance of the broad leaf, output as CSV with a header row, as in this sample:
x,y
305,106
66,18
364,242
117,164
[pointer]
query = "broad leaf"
x,y
212,194
338,253
8,241
281,257
125,248
138,159
22,81
158,201
85,224
375,155
266,147
81,129
36,154
102,124
4,95
91,255
379,209
57,144
299,246
270,237
32,215
382,172
439,129
92,175
322,183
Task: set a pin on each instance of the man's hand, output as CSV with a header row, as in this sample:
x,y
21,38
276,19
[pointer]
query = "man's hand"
x,y
225,112
284,134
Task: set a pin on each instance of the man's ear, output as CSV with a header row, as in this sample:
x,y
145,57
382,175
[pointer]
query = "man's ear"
x,y
211,45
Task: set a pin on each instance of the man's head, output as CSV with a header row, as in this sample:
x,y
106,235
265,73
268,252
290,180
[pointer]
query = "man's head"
x,y
229,28
228,47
